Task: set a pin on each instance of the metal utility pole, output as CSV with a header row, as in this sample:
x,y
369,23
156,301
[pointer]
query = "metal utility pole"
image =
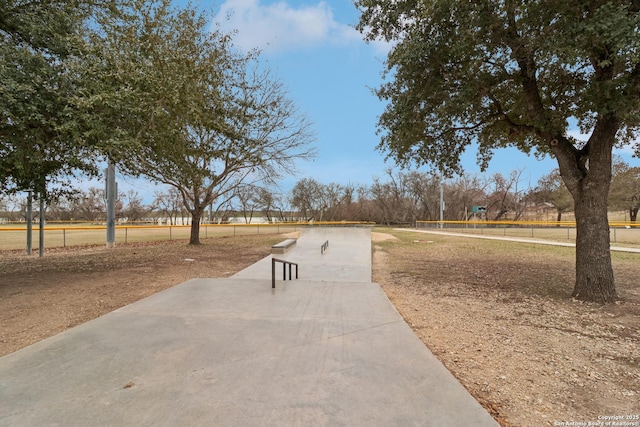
x,y
111,204
29,220
41,227
441,204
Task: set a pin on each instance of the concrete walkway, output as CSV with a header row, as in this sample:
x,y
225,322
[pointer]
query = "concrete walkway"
x,y
326,350
512,239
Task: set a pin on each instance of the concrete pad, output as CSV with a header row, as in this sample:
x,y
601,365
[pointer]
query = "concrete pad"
x,y
210,352
347,259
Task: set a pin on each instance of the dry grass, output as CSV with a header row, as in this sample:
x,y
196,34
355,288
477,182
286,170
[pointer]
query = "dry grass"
x,y
499,316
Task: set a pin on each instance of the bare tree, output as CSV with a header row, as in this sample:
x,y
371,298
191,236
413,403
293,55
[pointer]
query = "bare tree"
x,y
13,206
247,197
269,203
169,203
92,204
64,207
307,196
462,194
424,189
506,195
393,199
134,209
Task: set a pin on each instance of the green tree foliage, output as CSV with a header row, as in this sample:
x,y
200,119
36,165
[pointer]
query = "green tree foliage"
x,y
38,41
551,189
625,188
190,111
514,73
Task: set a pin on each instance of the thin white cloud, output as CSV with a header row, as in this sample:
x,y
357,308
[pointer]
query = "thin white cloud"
x,y
279,27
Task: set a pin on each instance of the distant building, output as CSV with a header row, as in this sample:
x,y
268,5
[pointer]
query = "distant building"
x,y
181,220
253,220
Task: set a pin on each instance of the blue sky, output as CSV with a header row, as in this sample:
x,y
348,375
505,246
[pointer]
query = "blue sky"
x,y
329,71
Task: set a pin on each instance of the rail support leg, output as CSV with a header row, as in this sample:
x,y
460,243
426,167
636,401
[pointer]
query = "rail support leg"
x,y
273,273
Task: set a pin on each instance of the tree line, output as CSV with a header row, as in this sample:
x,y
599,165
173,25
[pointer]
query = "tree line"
x,y
397,198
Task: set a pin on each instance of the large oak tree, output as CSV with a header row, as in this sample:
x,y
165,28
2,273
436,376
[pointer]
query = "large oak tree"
x,y
516,73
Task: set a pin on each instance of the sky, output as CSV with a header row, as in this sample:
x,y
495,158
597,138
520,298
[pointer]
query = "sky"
x,y
330,71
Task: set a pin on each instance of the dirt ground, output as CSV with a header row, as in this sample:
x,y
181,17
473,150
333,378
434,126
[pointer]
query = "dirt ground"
x,y
497,315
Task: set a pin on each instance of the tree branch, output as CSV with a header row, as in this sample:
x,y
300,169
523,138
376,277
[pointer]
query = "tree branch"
x,y
527,70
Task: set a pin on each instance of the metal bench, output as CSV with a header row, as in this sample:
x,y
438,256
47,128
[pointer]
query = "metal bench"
x,y
283,246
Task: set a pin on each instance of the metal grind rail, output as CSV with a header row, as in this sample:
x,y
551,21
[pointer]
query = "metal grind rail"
x,y
284,270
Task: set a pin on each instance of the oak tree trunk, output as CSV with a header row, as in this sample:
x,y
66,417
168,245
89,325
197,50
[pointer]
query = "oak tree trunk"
x,y
587,174
196,216
594,272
